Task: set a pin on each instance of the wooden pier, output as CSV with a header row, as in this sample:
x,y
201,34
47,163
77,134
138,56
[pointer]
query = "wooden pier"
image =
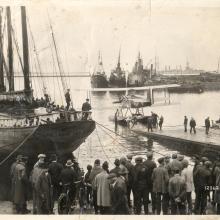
x,y
200,143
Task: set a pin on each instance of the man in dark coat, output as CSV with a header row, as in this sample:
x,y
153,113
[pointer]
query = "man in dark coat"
x,y
88,183
20,186
192,124
150,124
68,99
141,176
160,180
185,123
12,175
119,195
95,171
44,193
177,192
203,176
85,108
54,170
130,168
116,169
150,165
68,176
207,125
161,122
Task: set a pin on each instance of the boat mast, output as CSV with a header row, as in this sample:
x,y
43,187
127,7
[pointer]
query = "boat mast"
x,y
25,50
10,50
2,86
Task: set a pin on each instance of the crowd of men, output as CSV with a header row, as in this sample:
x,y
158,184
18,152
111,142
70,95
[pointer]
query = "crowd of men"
x,y
164,187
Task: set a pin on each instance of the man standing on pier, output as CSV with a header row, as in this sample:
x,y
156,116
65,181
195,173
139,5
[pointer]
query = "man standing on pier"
x,y
185,123
192,124
207,125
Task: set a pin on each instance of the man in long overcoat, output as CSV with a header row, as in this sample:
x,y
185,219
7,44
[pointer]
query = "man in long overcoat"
x,y
44,193
160,180
102,185
119,195
20,187
150,165
95,171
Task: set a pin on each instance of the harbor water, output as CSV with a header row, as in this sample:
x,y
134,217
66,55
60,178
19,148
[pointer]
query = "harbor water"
x,y
114,142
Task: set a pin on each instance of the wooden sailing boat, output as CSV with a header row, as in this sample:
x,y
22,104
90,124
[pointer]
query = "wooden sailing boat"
x,y
31,139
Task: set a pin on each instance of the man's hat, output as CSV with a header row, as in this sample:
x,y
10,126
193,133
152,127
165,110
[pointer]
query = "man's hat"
x,y
180,157
208,163
19,157
204,159
87,99
130,156
160,160
69,163
138,159
174,155
167,156
176,168
149,154
117,162
105,165
41,156
123,160
185,162
97,162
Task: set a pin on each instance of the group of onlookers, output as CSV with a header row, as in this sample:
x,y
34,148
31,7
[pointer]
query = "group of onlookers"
x,y
164,187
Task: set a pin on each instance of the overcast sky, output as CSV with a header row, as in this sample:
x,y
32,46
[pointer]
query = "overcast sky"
x,y
176,31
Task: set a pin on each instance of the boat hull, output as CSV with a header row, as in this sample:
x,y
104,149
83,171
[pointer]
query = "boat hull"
x,y
59,138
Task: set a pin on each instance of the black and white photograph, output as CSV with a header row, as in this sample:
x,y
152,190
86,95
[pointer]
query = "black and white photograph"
x,y
110,107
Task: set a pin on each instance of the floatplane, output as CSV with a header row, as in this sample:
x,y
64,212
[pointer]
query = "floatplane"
x,y
131,105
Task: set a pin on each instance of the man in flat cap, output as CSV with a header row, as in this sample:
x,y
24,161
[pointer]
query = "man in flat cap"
x,y
187,174
35,174
203,176
119,194
102,185
160,180
150,165
177,192
20,186
130,182
55,169
85,108
141,176
116,168
12,175
95,171
41,159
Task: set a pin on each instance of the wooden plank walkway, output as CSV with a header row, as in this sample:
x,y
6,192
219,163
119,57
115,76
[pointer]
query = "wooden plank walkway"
x,y
190,143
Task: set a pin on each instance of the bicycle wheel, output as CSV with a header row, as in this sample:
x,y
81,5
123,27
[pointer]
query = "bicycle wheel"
x,y
63,207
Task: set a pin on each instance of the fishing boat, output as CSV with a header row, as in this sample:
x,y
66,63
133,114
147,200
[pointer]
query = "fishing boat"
x,y
99,78
29,132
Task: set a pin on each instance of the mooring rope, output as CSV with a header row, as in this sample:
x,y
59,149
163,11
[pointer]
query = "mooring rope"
x,y
19,146
103,147
102,127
